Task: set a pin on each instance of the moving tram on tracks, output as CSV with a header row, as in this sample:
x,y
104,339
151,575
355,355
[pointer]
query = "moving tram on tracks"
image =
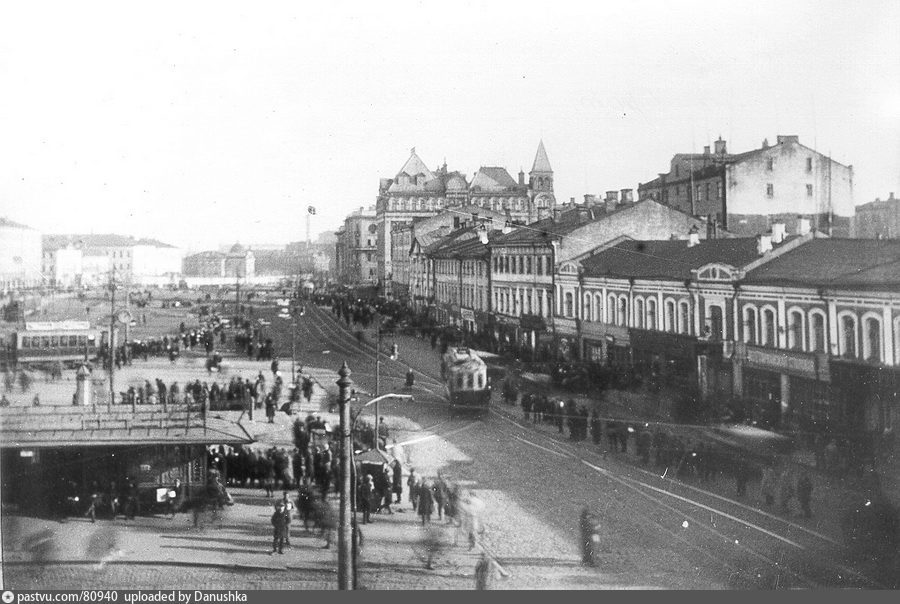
x,y
465,378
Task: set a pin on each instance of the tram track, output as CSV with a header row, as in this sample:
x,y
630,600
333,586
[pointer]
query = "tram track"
x,y
788,554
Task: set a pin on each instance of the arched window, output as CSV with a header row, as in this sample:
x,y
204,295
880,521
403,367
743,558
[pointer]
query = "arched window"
x,y
651,313
768,327
611,309
848,342
671,323
817,331
684,317
622,313
598,310
570,311
751,324
639,313
872,338
795,329
586,308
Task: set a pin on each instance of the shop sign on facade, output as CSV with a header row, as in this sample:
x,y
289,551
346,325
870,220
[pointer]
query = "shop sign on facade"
x,y
467,314
781,360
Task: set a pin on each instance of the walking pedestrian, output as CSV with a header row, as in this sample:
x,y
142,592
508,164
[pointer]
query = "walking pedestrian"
x,y
425,502
279,528
768,484
397,480
366,493
413,483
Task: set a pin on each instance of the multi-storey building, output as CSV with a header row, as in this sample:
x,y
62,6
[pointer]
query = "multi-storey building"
x,y
801,331
524,261
417,192
461,273
20,256
137,261
879,219
747,192
237,262
357,243
407,243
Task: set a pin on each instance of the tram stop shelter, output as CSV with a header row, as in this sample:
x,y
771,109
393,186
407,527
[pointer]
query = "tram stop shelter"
x,y
51,454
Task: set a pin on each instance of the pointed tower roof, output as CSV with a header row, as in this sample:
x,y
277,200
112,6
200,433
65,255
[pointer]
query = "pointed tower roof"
x,y
414,165
541,163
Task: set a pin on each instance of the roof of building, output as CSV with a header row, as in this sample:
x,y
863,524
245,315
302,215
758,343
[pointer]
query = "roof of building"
x,y
463,243
879,204
567,221
66,426
237,248
669,259
55,242
541,162
6,222
846,263
209,254
493,178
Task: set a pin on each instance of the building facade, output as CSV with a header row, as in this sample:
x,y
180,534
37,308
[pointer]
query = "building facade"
x,y
357,248
417,192
524,261
879,219
137,261
747,192
20,256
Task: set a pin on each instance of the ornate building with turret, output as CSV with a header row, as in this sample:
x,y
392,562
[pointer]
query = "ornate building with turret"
x,y
418,192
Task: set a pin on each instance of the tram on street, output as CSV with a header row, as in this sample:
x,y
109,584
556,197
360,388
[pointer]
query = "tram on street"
x,y
465,378
45,342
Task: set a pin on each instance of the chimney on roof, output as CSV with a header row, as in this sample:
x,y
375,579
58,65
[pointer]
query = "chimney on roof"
x,y
891,198
611,201
763,244
693,236
584,214
627,195
777,232
557,212
784,139
720,146
765,143
572,201
802,225
706,150
521,178
712,227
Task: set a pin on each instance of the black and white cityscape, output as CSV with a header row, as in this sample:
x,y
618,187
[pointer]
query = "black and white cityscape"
x,y
488,296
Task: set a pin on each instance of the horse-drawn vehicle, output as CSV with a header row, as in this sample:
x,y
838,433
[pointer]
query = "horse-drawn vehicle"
x,y
466,381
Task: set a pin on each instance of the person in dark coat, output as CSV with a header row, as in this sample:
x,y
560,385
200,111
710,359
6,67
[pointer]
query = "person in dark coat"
x,y
397,480
279,528
425,502
366,493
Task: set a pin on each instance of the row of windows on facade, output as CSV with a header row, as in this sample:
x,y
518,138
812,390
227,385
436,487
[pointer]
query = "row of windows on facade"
x,y
492,203
699,196
471,268
805,331
518,301
472,297
770,166
522,265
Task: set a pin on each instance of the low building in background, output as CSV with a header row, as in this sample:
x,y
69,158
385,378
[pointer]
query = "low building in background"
x,y
136,261
879,219
20,256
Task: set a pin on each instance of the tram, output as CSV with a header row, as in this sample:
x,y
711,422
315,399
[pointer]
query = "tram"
x,y
466,381
43,342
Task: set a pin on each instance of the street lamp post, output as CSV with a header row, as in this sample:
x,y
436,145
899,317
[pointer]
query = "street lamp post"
x,y
345,530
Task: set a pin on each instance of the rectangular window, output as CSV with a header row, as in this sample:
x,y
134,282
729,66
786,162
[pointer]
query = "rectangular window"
x,y
528,265
770,164
809,190
770,190
699,193
809,164
719,189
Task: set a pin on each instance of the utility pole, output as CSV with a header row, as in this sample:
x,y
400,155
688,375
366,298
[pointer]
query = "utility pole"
x,y
377,381
112,337
345,529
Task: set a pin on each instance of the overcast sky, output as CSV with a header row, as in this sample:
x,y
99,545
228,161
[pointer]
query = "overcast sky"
x,y
206,123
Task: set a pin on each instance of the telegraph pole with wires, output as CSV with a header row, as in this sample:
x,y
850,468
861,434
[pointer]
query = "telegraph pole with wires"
x,y
112,336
